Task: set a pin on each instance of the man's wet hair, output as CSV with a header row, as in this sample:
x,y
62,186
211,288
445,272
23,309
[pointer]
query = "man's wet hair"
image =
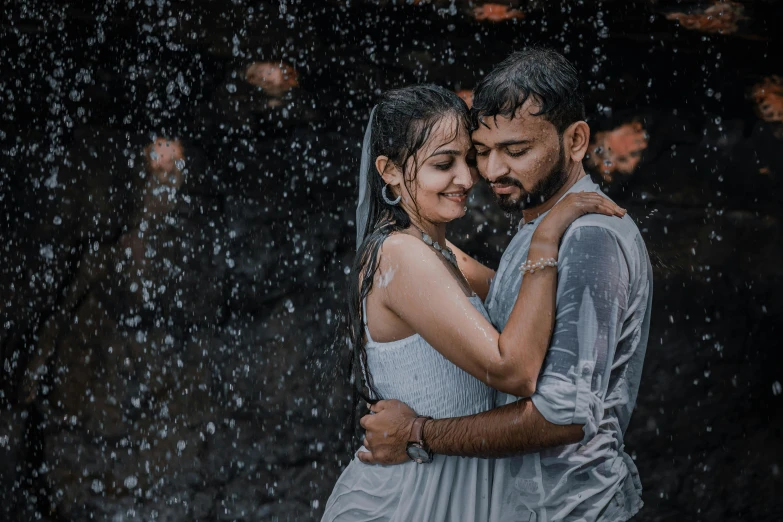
x,y
540,73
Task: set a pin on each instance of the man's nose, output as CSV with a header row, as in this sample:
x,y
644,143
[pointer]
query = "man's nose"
x,y
495,167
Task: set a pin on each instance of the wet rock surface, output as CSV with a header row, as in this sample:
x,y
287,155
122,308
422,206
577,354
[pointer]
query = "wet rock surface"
x,y
177,229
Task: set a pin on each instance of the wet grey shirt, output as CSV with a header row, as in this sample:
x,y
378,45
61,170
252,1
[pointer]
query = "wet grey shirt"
x,y
590,375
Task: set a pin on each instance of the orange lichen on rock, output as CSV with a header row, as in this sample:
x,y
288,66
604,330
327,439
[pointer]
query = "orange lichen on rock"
x,y
165,159
496,12
618,150
274,78
768,96
467,95
721,17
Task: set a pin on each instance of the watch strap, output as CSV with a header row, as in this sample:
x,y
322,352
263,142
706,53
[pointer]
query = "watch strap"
x,y
417,430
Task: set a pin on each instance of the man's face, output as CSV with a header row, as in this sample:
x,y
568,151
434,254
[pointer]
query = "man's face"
x,y
521,158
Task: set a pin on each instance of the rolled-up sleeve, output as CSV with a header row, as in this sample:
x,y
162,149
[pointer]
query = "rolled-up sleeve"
x,y
592,297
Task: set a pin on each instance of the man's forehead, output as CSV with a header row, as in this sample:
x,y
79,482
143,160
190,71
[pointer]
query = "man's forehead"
x,y
501,128
524,124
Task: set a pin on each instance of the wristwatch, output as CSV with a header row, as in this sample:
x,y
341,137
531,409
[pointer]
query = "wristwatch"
x,y
417,449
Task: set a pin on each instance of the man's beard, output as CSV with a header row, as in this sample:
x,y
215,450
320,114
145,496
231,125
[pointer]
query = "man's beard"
x,y
545,189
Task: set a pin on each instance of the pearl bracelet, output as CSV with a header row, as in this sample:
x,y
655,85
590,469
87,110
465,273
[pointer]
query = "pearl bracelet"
x,y
529,267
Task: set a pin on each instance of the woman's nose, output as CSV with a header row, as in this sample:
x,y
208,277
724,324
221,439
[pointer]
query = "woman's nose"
x,y
464,177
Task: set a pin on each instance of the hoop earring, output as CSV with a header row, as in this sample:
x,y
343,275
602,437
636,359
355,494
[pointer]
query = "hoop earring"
x,y
387,199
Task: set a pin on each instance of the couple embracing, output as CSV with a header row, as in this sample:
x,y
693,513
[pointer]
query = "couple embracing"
x,y
499,395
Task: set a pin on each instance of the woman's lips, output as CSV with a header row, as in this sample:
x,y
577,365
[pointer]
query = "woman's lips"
x,y
457,197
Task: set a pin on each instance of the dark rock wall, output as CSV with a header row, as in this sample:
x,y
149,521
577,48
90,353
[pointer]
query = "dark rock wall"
x,y
177,181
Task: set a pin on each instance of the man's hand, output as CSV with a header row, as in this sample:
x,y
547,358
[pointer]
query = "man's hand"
x,y
387,430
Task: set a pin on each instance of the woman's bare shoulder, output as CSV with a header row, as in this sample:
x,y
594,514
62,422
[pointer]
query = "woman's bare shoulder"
x,y
408,252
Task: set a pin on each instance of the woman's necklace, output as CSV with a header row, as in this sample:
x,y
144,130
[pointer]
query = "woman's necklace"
x,y
446,252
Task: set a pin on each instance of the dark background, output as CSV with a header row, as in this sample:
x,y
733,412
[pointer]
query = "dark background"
x,y
201,384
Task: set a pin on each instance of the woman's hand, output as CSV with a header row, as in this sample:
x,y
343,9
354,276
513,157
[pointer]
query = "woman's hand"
x,y
571,207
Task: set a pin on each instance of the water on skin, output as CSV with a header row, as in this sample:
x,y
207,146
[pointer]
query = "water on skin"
x,y
386,277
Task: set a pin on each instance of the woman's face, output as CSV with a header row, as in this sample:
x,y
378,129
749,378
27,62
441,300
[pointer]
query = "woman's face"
x,y
446,173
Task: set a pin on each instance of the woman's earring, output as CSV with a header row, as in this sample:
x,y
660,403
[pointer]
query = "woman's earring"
x,y
388,200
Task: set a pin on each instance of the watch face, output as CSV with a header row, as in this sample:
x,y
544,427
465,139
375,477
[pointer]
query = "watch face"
x,y
418,454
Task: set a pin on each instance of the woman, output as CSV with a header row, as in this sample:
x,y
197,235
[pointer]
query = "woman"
x,y
417,324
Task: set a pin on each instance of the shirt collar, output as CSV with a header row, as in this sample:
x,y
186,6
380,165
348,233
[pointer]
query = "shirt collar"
x,y
584,184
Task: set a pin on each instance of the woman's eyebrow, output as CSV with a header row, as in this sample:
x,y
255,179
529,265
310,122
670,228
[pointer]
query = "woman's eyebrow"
x,y
449,152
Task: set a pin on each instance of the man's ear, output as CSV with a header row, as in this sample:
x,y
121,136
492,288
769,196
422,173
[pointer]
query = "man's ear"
x,y
576,140
388,171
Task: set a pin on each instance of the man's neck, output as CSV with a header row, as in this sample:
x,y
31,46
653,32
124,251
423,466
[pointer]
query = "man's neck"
x,y
532,213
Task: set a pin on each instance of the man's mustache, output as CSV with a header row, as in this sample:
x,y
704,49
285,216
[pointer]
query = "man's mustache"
x,y
507,180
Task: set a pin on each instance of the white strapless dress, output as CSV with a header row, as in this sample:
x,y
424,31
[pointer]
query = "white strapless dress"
x,y
453,489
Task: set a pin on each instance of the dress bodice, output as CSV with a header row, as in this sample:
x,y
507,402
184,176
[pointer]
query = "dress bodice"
x,y
414,372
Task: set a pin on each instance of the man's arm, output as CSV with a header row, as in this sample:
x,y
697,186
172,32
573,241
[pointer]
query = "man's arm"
x,y
512,429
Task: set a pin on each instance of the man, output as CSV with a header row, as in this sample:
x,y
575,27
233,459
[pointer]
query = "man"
x,y
563,446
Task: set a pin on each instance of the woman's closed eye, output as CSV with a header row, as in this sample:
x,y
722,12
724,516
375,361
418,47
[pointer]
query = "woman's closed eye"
x,y
444,166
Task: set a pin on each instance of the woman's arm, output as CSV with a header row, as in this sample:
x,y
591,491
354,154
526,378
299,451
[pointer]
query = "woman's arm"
x,y
478,275
423,293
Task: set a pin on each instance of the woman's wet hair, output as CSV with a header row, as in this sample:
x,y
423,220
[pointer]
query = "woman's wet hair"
x,y
403,123
543,74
